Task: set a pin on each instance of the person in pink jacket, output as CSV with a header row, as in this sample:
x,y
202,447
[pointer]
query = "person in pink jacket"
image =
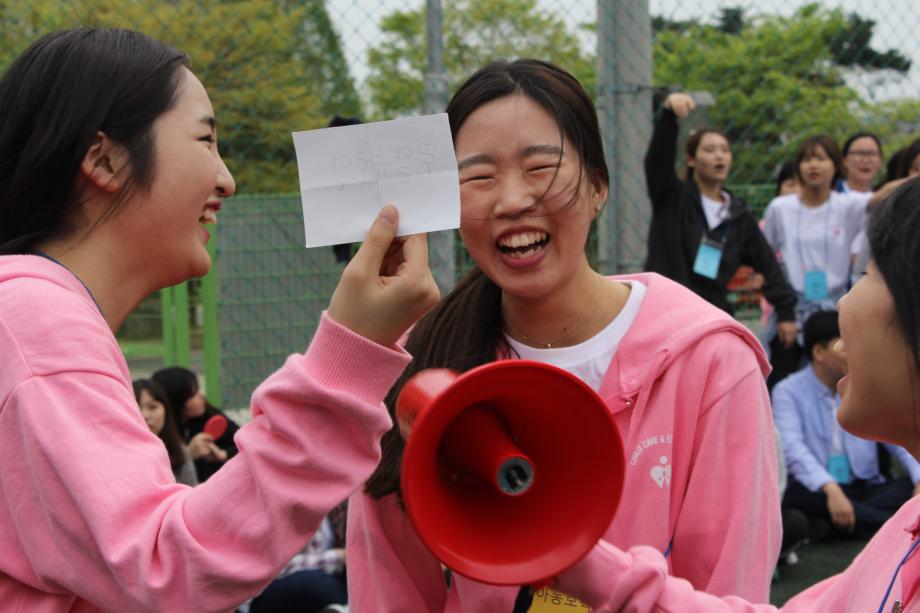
x,y
109,173
683,380
880,333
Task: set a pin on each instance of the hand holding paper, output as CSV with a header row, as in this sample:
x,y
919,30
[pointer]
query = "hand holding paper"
x,y
387,286
348,173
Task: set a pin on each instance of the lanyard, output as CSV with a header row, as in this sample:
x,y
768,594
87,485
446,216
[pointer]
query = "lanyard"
x,y
827,231
913,546
705,224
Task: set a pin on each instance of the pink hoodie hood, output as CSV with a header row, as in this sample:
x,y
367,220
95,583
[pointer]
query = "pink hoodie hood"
x,y
671,321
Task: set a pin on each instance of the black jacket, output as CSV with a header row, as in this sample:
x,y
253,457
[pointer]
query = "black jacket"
x,y
204,467
677,228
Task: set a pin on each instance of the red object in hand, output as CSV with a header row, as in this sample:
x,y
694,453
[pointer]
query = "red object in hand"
x,y
511,472
216,426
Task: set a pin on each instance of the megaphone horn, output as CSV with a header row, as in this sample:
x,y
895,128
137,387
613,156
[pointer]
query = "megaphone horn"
x,y
511,472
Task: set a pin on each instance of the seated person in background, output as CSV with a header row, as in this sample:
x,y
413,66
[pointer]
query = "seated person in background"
x,y
314,579
193,410
161,419
833,475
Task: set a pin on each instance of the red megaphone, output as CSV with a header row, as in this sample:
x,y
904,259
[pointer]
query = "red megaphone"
x,y
512,471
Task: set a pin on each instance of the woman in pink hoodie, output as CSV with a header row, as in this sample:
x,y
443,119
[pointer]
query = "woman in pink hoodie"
x,y
109,173
683,381
880,332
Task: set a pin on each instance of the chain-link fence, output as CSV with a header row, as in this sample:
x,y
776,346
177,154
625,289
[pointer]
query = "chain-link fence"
x,y
772,72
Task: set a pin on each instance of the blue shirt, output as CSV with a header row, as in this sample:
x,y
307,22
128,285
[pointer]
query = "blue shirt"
x,y
805,412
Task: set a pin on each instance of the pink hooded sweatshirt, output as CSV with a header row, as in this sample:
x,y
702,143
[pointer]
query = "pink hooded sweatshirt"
x,y
610,580
686,388
91,517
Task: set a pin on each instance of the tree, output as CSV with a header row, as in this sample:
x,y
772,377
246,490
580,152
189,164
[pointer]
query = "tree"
x,y
270,68
895,122
776,79
849,45
475,32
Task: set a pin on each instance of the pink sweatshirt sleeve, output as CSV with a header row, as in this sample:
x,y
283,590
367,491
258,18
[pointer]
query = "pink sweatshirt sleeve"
x,y
389,568
97,513
609,579
732,483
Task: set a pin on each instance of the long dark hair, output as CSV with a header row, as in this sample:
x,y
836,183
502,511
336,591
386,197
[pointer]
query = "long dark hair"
x,y
895,168
913,150
54,99
789,170
892,233
465,329
180,384
169,434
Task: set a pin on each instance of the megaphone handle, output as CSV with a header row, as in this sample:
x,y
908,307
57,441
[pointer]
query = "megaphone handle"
x,y
419,393
476,442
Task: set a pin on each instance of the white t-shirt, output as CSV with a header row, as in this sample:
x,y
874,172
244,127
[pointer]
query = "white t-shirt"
x,y
716,210
859,240
817,238
589,360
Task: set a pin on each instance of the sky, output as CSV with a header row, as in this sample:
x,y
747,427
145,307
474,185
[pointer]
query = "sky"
x,y
897,26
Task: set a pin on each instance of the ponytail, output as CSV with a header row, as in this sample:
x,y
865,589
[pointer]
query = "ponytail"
x,y
460,333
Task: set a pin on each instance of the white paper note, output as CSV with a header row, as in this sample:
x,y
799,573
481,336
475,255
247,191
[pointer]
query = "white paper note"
x,y
348,173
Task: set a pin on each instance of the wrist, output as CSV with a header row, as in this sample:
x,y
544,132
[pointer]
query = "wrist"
x,y
832,489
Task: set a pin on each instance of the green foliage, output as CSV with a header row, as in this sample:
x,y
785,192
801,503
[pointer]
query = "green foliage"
x,y
475,32
849,43
270,68
777,80
850,47
895,122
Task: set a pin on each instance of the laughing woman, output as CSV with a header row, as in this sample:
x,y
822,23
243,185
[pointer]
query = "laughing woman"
x,y
682,379
700,232
108,143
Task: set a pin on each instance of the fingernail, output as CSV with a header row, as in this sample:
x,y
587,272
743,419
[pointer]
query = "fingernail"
x,y
389,214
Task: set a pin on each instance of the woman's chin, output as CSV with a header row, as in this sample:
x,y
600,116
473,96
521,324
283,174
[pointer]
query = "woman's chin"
x,y
843,385
847,414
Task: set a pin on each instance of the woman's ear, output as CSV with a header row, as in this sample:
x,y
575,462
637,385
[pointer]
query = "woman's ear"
x,y
599,198
104,163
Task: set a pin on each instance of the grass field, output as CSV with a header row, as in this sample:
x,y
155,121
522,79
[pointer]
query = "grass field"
x,y
816,562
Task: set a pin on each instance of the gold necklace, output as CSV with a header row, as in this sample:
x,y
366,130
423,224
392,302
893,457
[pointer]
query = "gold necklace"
x,y
565,331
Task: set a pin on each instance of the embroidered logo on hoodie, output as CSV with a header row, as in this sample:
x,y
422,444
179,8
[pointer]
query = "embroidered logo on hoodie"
x,y
661,474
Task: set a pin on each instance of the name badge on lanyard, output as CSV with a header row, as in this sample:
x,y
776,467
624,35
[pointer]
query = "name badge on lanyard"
x,y
839,468
548,600
815,280
708,258
815,285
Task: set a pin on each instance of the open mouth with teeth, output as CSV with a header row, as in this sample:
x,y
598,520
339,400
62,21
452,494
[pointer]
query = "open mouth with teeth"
x,y
523,244
209,216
